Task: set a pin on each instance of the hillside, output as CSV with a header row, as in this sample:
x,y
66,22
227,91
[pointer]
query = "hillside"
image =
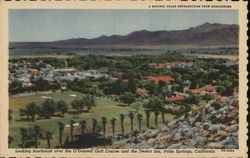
x,y
204,35
212,126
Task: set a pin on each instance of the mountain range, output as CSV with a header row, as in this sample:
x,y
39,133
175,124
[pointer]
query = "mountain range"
x,y
207,34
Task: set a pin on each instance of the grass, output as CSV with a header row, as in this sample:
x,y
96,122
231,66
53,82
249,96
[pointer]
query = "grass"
x,y
229,57
105,107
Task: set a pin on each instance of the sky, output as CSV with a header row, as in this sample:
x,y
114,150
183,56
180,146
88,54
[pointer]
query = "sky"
x,y
50,25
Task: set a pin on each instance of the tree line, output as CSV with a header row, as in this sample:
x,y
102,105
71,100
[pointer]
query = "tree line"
x,y
50,107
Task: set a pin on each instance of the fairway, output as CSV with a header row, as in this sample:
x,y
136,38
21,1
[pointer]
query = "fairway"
x,y
105,107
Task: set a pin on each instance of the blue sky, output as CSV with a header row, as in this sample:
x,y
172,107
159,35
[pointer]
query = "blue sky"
x,y
51,25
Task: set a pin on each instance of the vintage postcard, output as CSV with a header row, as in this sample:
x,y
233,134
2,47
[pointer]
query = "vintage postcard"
x,y
123,79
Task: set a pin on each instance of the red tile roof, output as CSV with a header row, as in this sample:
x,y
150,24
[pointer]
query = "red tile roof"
x,y
173,64
202,90
211,93
119,73
125,81
176,98
62,83
65,71
209,87
142,91
34,72
165,79
181,94
175,108
157,64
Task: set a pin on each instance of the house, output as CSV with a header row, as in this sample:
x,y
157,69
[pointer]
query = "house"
x,y
175,98
23,78
157,65
63,85
208,89
69,72
49,73
173,64
27,84
125,81
142,91
34,72
181,94
166,79
175,108
119,73
186,64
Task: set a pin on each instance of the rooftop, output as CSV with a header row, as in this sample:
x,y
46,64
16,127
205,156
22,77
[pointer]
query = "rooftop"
x,y
165,79
176,98
142,91
201,90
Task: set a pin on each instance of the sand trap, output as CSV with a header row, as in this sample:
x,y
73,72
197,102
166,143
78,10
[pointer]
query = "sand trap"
x,y
75,124
73,95
46,97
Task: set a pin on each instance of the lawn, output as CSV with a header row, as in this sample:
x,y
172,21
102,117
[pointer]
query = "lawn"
x,y
105,107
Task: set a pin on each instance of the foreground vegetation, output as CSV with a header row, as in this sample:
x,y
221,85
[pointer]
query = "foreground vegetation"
x,y
104,108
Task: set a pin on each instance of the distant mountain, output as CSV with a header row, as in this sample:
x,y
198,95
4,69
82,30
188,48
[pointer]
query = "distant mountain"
x,y
204,35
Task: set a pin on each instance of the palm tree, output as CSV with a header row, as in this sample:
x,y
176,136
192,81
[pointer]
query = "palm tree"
x,y
83,126
94,125
104,122
36,131
156,117
131,116
72,129
61,128
163,116
139,117
147,112
48,137
113,120
24,134
122,117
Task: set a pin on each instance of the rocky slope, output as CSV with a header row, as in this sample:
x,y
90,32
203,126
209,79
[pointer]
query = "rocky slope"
x,y
213,126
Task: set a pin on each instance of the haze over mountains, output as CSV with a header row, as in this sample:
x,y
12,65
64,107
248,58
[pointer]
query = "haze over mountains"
x,y
204,35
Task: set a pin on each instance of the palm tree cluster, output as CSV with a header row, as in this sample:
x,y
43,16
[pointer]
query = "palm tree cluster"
x,y
97,127
32,136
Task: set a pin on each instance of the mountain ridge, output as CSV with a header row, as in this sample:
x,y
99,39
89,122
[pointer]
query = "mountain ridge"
x,y
207,34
